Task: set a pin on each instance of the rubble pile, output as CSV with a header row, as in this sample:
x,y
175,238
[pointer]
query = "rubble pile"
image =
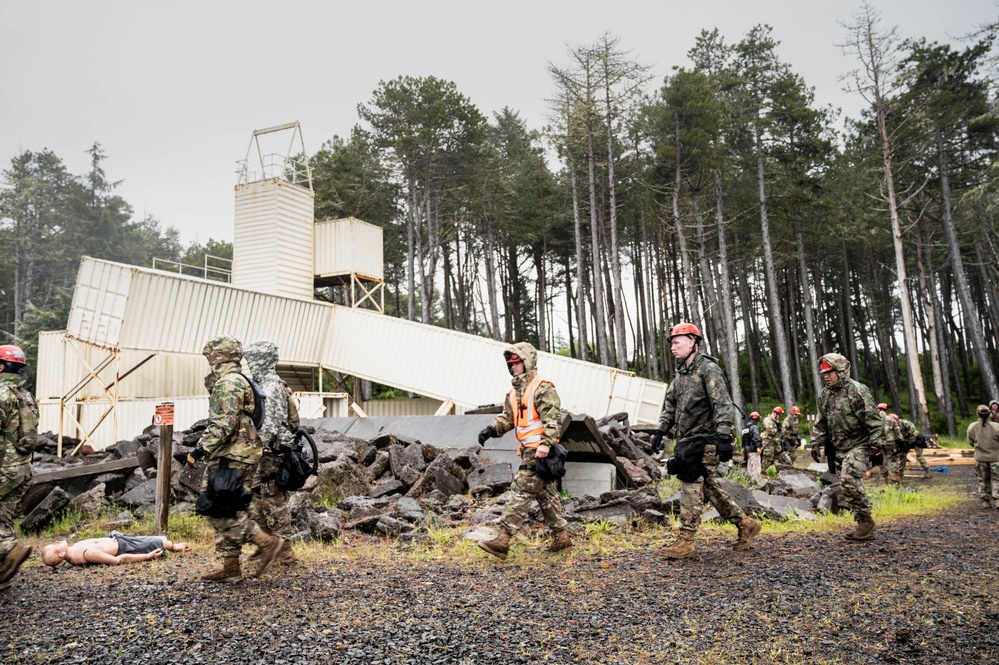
x,y
391,485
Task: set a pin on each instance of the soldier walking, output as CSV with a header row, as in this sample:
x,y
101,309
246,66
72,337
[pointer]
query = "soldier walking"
x,y
699,411
230,441
983,436
532,410
889,451
792,433
849,420
18,440
751,445
269,508
771,450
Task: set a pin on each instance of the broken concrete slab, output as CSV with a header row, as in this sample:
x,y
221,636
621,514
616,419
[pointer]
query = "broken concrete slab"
x,y
387,489
45,511
142,494
801,485
493,477
783,507
391,526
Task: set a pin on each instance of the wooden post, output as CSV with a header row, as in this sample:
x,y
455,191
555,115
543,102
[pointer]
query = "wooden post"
x,y
164,420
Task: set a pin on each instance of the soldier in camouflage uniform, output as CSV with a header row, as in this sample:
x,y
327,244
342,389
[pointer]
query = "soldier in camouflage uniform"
x,y
18,439
771,450
983,436
536,423
698,410
994,411
890,449
792,433
231,437
912,438
848,419
270,509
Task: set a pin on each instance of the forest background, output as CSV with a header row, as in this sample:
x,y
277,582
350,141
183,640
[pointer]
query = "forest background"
x,y
721,194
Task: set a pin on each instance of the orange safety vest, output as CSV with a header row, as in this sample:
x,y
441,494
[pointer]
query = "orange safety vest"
x,y
526,420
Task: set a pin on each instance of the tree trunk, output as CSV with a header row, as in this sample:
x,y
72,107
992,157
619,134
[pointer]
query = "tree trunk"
x,y
490,255
577,223
598,291
728,309
617,290
780,341
971,324
806,292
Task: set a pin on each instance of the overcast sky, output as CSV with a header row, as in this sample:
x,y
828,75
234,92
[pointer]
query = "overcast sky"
x,y
174,90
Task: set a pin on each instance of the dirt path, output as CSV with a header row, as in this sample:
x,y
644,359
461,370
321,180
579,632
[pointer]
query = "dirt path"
x,y
915,595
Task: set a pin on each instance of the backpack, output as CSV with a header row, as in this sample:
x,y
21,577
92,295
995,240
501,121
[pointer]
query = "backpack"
x,y
224,496
259,402
295,468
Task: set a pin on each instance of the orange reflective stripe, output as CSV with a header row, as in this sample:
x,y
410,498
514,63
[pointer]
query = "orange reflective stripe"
x,y
526,420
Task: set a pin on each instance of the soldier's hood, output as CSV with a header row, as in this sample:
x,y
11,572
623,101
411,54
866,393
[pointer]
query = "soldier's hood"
x,y
223,349
993,402
526,351
261,357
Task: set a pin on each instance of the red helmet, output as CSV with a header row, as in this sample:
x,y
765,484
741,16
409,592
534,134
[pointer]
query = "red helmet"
x,y
779,410
685,329
895,416
513,358
882,407
755,415
12,354
825,367
795,411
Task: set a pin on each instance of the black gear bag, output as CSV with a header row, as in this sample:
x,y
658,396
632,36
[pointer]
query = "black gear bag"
x,y
551,467
295,468
224,496
687,462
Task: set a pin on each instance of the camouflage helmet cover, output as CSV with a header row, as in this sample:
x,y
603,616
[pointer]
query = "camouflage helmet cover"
x,y
223,349
835,362
982,410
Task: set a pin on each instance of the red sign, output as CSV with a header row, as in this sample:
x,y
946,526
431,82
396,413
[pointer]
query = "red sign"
x,y
164,414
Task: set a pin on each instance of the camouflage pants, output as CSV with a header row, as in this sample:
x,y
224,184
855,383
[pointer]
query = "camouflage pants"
x,y
921,459
527,486
770,454
896,465
232,532
13,485
693,495
856,462
270,509
988,480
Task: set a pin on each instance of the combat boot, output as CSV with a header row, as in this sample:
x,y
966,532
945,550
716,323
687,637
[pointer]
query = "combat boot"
x,y
287,556
927,474
228,573
12,562
864,530
270,546
498,546
683,548
748,528
986,504
562,541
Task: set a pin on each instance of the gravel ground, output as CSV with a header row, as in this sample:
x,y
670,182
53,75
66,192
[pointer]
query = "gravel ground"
x,y
917,594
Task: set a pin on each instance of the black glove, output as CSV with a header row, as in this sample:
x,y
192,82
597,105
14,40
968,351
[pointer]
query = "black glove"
x,y
815,454
657,440
725,447
486,434
195,455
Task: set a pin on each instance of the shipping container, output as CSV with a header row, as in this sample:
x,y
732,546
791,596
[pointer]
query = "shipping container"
x,y
348,247
272,238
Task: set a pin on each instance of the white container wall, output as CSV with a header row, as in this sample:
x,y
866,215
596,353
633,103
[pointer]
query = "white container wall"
x,y
272,238
420,406
136,308
348,246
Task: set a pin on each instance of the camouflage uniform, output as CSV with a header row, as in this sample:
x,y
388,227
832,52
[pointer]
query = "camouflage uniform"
x,y
770,447
848,417
792,435
698,404
890,450
983,436
270,507
994,411
527,486
230,434
15,458
911,435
